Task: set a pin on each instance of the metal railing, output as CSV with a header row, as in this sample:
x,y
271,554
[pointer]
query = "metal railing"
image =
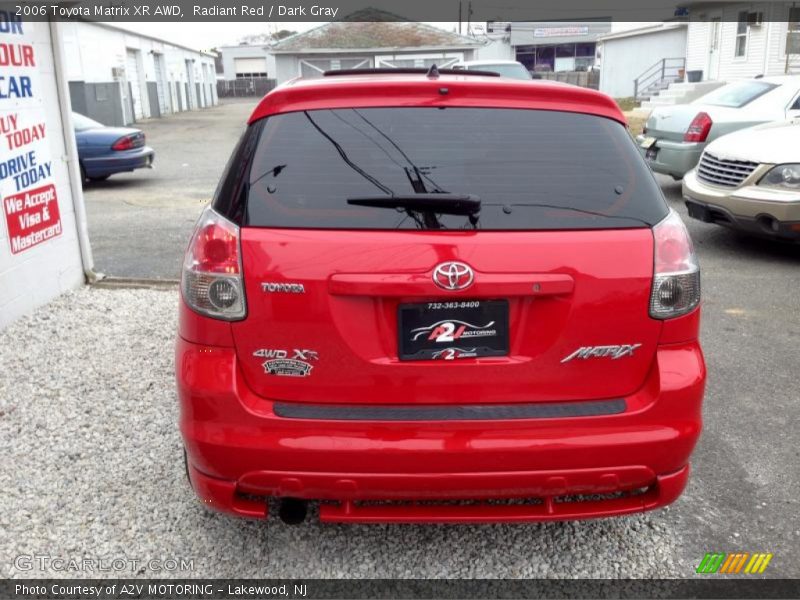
x,y
658,77
251,86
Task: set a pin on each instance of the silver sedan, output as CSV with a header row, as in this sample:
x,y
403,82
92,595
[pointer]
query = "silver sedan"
x,y
674,137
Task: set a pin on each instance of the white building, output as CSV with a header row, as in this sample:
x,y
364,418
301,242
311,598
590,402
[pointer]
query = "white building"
x,y
44,245
244,61
117,77
636,59
495,48
740,40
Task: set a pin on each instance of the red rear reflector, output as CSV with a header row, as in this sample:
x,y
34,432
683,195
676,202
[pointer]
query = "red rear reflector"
x,y
698,128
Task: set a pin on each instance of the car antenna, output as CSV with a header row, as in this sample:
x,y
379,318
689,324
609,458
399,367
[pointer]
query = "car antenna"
x,y
433,72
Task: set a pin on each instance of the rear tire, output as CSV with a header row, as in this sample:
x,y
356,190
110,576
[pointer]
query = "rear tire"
x,y
102,178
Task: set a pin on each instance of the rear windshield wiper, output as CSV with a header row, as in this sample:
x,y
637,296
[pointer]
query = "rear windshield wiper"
x,y
443,204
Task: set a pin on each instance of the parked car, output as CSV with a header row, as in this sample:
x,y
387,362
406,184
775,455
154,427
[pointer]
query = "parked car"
x,y
104,151
438,288
674,137
750,180
505,68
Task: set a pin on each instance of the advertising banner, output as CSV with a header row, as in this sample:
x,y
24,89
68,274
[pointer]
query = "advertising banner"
x,y
27,191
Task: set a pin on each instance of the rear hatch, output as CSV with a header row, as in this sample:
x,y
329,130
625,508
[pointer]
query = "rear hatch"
x,y
353,304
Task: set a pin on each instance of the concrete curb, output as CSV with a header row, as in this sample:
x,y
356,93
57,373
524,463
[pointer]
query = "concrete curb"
x,y
127,283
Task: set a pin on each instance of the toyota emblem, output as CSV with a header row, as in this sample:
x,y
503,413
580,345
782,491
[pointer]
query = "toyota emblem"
x,y
453,276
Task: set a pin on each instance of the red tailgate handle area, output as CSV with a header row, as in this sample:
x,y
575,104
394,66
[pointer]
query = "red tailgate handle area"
x,y
487,285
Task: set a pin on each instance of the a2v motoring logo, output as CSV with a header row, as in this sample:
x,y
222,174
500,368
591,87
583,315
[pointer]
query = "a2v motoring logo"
x,y
450,331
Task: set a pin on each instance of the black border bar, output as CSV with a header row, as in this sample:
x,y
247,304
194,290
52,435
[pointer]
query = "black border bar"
x,y
474,11
705,586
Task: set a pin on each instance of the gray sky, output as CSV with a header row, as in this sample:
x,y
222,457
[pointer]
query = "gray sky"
x,y
204,36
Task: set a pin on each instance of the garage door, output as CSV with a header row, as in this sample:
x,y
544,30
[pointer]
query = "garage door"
x,y
316,67
419,61
132,76
161,83
250,67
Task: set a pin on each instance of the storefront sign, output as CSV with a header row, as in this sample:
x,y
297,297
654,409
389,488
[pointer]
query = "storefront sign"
x,y
27,192
560,31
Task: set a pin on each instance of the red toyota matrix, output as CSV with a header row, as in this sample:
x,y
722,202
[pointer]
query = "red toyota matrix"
x,y
438,297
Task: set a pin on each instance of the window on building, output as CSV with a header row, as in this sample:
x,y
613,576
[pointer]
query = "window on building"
x,y
545,59
528,59
584,57
558,57
793,35
250,75
565,57
794,18
741,35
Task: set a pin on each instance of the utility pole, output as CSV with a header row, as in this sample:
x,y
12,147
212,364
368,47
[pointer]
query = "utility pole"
x,y
459,17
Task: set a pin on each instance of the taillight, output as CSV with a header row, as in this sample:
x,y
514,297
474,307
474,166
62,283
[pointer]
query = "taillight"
x,y
123,143
212,270
676,277
698,128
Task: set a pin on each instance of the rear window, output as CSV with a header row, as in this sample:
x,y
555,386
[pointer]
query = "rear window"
x,y
531,169
82,123
736,95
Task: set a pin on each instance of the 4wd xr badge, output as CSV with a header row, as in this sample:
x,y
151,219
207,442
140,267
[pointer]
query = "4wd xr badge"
x,y
279,363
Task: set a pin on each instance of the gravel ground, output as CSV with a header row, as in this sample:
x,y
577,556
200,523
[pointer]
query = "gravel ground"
x,y
92,468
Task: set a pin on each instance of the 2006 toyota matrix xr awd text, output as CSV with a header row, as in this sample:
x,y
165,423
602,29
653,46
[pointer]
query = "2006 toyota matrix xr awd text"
x,y
450,297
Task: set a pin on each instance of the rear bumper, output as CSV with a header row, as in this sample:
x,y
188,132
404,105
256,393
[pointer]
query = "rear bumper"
x,y
604,490
119,162
672,158
241,452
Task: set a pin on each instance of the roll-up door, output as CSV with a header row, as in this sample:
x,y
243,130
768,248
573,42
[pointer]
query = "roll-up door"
x,y
132,76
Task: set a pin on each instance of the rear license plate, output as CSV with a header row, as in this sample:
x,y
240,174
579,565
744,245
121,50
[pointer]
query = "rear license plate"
x,y
453,329
647,142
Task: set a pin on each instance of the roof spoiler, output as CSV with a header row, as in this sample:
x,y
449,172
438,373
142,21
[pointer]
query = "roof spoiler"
x,y
409,71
